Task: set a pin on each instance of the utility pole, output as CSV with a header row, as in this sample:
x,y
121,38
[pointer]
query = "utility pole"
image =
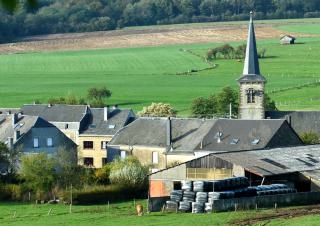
x,y
230,110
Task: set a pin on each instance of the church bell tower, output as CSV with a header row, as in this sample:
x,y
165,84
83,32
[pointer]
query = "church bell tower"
x,y
251,83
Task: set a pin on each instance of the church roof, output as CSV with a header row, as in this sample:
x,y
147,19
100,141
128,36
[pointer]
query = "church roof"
x,y
251,70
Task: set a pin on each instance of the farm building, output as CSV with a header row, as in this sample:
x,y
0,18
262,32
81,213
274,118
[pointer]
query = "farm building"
x,y
164,141
287,40
297,167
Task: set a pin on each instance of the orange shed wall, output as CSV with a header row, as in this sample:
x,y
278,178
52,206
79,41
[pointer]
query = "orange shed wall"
x,y
158,188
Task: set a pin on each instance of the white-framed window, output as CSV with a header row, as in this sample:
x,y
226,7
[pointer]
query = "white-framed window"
x,y
123,154
49,142
35,142
155,157
104,144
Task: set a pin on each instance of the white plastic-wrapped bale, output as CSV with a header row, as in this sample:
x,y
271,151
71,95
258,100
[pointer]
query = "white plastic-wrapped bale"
x,y
185,206
198,186
208,207
202,197
186,185
220,195
171,206
189,196
176,195
197,207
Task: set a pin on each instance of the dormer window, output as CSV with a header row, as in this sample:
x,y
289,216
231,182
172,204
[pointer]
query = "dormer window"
x,y
250,96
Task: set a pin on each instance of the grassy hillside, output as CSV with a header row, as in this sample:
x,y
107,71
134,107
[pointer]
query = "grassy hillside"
x,y
139,76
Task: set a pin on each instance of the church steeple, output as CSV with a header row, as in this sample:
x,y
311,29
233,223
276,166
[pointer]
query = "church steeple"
x,y
251,82
251,70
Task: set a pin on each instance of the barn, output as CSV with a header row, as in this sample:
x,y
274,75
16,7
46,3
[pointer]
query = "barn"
x,y
296,167
287,40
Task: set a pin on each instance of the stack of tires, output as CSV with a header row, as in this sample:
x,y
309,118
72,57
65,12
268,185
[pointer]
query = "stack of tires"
x,y
176,195
274,189
189,196
198,207
185,206
171,206
186,185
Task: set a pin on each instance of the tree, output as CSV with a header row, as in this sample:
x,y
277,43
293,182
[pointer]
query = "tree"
x,y
158,110
38,171
9,159
97,96
11,5
269,104
129,173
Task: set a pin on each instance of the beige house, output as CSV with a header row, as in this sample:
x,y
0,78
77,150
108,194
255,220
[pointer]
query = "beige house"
x,y
93,140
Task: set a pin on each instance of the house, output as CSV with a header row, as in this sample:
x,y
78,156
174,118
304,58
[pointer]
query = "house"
x,y
33,135
287,40
297,167
161,142
70,119
103,123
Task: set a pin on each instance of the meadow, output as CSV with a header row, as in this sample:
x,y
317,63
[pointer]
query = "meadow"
x,y
124,214
140,76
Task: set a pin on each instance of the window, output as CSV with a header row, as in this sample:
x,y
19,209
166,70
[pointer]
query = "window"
x,y
87,144
104,144
155,157
250,96
234,141
35,142
49,142
177,185
66,126
104,161
88,161
255,141
123,154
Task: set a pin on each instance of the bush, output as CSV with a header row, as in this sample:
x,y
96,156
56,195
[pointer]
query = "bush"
x,y
158,110
310,138
11,192
129,173
103,194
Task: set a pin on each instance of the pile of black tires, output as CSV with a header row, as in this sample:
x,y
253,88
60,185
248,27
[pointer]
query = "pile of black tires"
x,y
199,196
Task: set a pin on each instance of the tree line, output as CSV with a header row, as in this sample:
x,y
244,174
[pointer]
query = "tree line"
x,y
61,16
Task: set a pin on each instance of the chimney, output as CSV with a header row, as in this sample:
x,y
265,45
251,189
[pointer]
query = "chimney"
x,y
10,142
16,135
14,119
105,114
169,132
288,118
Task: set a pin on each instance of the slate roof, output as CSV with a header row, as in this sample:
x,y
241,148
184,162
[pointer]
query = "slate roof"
x,y
57,112
117,119
186,133
242,134
276,161
300,121
24,124
190,135
251,70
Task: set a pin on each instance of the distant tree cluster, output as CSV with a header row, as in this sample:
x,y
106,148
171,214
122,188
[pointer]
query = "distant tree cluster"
x,y
218,105
227,51
95,97
60,16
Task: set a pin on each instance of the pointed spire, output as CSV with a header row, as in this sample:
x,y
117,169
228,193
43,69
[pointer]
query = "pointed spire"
x,y
251,65
251,70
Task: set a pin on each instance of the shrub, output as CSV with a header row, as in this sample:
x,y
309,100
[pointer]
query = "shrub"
x,y
11,192
129,173
103,194
158,110
310,138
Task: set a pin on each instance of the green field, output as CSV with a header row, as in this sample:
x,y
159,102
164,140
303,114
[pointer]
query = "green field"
x,y
139,76
124,214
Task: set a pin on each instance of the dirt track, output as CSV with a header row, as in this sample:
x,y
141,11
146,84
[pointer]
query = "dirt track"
x,y
281,214
137,38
